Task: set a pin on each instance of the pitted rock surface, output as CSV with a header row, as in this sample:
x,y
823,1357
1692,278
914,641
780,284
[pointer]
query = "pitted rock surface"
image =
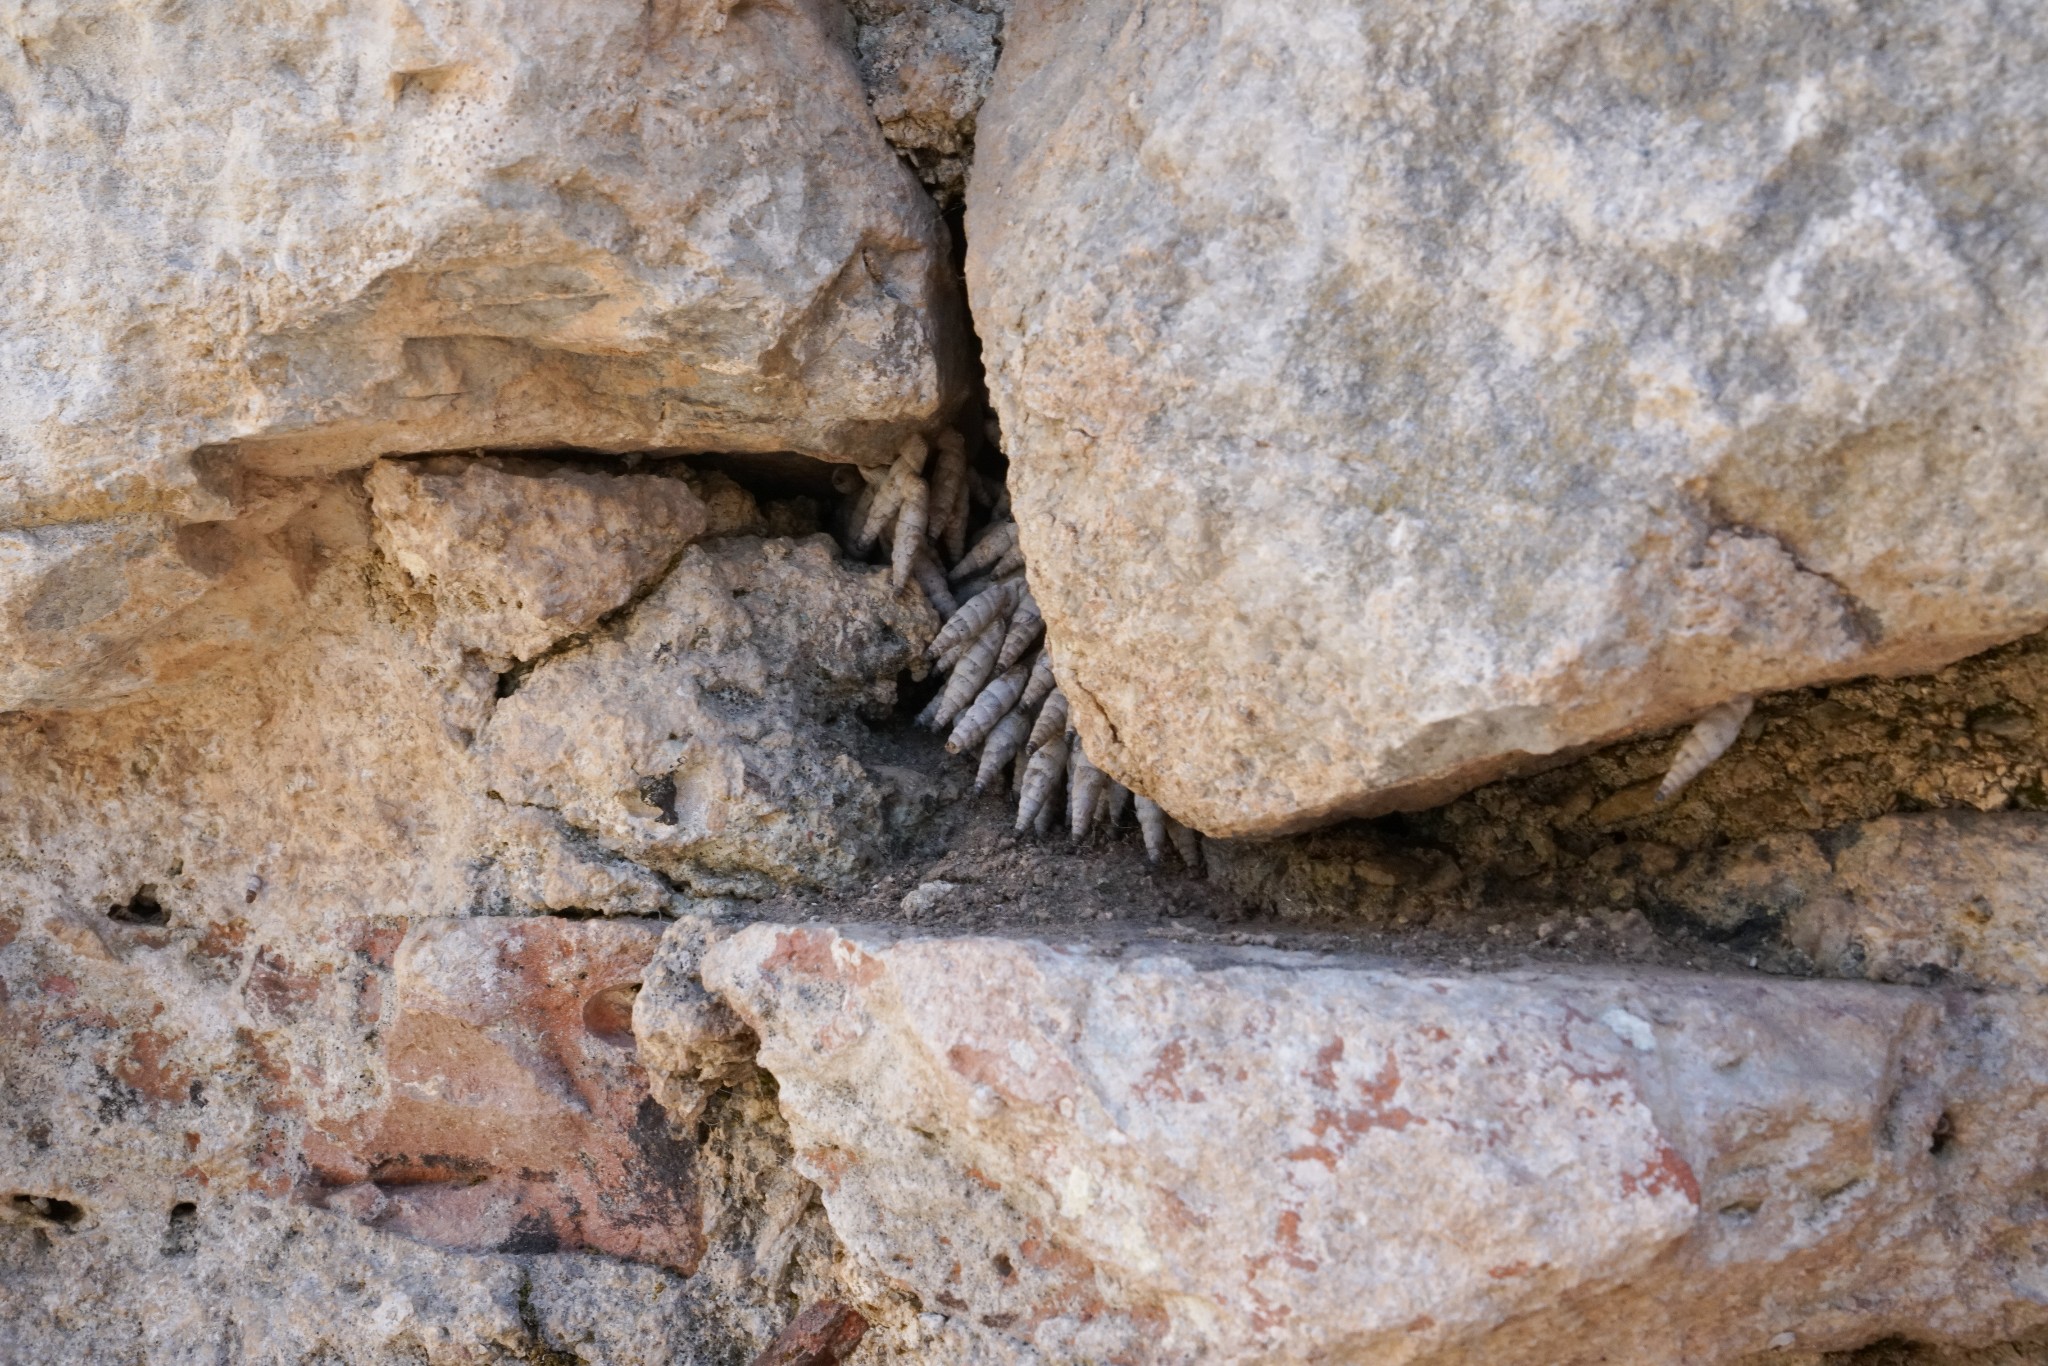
x,y
516,1119
1398,395
1174,1153
251,240
518,556
716,739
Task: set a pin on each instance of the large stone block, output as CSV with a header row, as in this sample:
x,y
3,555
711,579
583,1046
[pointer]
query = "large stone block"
x,y
517,557
1161,1153
288,238
1399,394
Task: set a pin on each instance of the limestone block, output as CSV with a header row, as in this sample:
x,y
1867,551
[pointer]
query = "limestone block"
x,y
1934,897
291,1285
1952,898
280,239
73,598
1161,1153
1398,394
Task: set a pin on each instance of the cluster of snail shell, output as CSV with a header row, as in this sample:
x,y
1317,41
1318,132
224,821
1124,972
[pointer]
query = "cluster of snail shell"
x,y
1000,696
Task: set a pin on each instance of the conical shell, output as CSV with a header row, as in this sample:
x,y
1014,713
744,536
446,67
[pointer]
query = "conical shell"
x,y
1710,738
910,520
1041,779
989,707
1052,720
1152,821
974,617
995,543
1084,794
969,675
1026,624
1005,743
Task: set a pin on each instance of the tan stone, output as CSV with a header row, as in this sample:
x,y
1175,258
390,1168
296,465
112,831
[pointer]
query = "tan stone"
x,y
286,239
518,556
927,65
1956,898
297,1284
1396,396
517,1119
203,892
689,1042
1938,897
1177,1153
70,596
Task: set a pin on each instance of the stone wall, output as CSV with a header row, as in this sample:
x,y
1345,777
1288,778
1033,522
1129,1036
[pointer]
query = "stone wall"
x,y
497,499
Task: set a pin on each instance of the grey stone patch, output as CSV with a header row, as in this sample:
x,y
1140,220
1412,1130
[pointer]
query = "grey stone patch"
x,y
1397,397
716,738
927,65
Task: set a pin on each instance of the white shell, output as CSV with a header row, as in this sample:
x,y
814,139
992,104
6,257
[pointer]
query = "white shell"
x,y
1710,738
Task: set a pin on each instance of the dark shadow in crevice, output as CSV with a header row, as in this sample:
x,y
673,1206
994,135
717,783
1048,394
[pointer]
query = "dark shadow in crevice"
x,y
47,1210
181,1231
141,909
510,681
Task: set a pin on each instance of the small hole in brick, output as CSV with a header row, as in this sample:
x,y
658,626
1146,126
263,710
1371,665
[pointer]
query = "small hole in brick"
x,y
1003,1266
1943,1137
47,1209
141,909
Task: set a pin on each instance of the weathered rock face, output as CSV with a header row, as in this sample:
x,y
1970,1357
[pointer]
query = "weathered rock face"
x,y
515,1118
72,595
269,969
379,825
518,558
279,1285
292,238
1166,1153
927,65
715,739
1935,898
1395,395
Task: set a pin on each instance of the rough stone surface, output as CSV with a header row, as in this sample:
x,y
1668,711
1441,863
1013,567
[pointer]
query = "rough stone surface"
x,y
927,65
715,739
1159,1153
292,1285
1586,843
1396,395
248,1002
515,1118
1933,898
690,1043
518,557
382,829
72,595
230,1001
292,237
